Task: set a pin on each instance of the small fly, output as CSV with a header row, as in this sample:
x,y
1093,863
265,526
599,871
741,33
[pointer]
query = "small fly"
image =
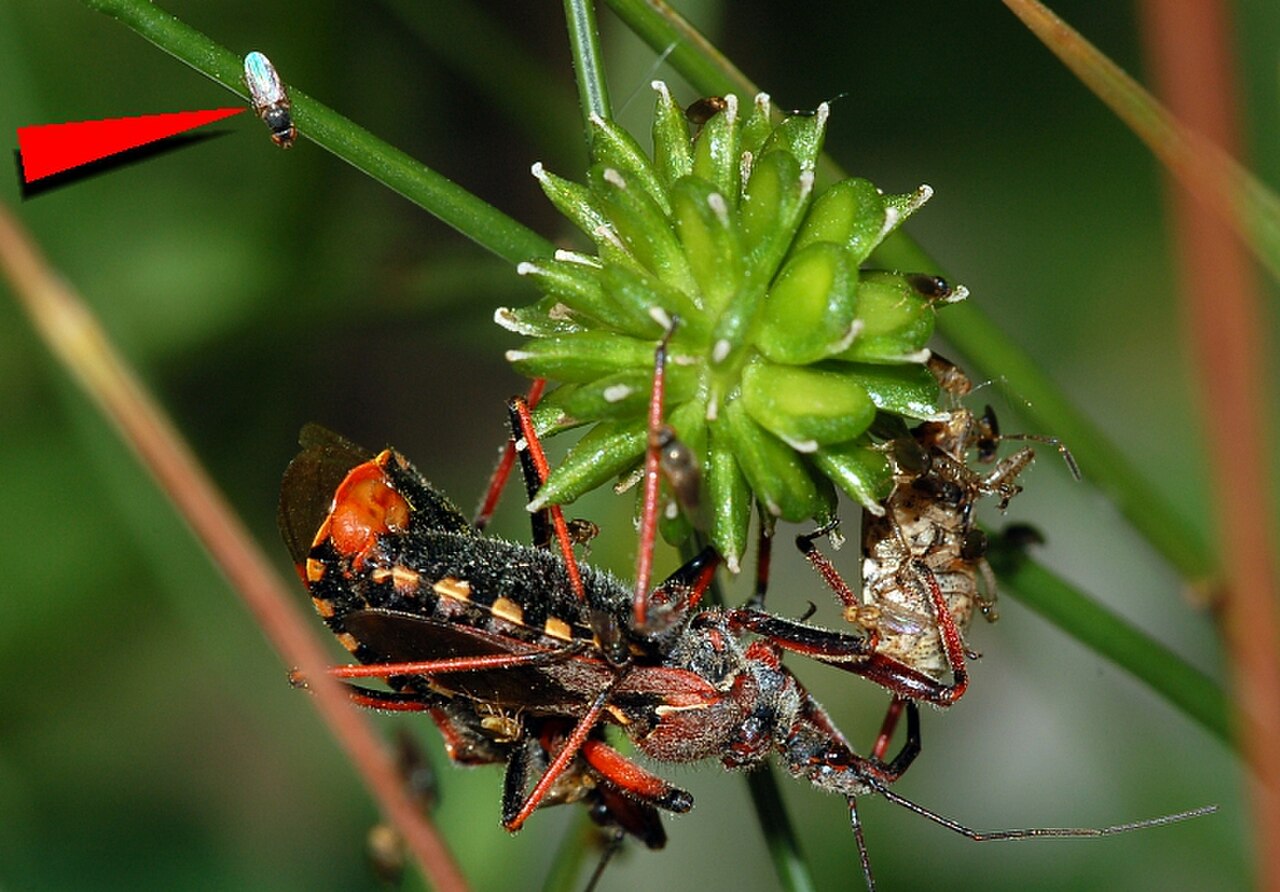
x,y
269,98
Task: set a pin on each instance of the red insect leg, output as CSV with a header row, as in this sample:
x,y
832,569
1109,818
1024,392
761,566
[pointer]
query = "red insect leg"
x,y
572,745
522,422
501,473
632,779
652,481
455,664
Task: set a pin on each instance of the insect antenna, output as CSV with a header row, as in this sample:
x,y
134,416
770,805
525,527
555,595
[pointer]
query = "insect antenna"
x,y
1057,444
611,848
1038,832
863,856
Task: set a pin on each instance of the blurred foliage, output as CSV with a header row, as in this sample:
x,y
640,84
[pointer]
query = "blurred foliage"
x,y
147,734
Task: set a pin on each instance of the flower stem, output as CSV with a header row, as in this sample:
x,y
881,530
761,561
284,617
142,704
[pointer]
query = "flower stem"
x,y
584,41
399,172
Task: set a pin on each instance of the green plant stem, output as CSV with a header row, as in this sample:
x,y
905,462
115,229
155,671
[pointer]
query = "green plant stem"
x,y
566,863
779,834
436,194
1186,687
588,65
686,49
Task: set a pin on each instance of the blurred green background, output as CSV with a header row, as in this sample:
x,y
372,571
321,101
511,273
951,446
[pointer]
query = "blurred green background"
x,y
148,737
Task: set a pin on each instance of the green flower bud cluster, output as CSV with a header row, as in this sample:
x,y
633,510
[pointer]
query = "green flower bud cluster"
x,y
784,351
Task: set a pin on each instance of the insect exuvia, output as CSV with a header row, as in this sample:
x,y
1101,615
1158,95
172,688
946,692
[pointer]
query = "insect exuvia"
x,y
269,97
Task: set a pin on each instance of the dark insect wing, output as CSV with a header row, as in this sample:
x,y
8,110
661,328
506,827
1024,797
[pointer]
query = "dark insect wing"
x,y
310,481
564,685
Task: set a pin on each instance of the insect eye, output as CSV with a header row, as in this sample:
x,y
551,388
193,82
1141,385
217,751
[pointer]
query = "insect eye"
x,y
974,545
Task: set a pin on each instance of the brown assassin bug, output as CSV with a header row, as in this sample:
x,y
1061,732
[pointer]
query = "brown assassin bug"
x,y
470,629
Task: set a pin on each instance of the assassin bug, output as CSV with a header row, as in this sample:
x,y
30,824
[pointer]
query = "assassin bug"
x,y
522,657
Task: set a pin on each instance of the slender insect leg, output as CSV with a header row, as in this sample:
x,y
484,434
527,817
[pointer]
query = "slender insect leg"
x,y
864,857
953,644
854,610
633,780
573,743
533,461
887,727
764,559
651,482
611,848
502,472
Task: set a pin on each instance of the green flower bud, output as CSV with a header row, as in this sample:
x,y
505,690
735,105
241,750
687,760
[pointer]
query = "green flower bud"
x,y
896,321
776,474
808,315
787,364
806,407
672,155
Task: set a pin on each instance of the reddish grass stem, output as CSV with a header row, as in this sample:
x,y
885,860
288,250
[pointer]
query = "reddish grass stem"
x,y
71,331
1189,47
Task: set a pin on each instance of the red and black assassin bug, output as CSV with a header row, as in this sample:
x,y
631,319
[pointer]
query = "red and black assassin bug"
x,y
522,657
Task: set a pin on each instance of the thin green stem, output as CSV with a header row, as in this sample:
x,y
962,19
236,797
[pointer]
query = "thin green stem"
x,y
687,50
588,64
1242,200
439,196
1052,597
779,834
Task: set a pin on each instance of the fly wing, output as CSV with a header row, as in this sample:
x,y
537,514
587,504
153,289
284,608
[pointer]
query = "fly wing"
x,y
264,84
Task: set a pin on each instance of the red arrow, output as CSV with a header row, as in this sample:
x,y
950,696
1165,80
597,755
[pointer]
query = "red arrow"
x,y
52,148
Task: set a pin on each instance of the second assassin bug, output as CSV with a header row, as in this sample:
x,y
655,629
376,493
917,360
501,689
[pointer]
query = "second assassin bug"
x,y
524,658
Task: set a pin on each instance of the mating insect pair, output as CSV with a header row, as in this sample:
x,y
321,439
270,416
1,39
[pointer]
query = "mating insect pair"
x,y
522,657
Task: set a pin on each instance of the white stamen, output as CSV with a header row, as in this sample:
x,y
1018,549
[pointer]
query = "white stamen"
x,y
575,257
719,207
604,233
844,343
614,178
618,392
800,445
720,351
